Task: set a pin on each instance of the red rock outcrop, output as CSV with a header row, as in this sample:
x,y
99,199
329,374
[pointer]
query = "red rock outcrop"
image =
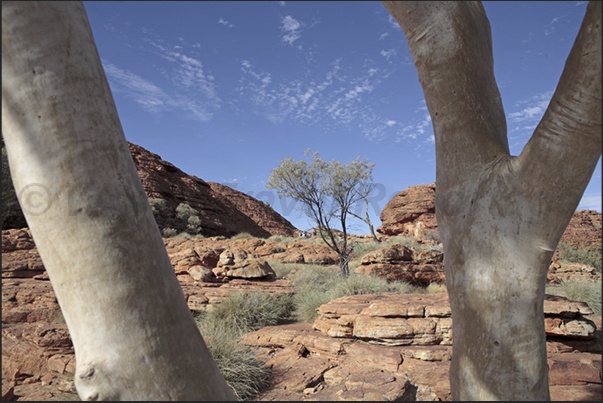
x,y
382,347
222,210
584,229
400,263
410,212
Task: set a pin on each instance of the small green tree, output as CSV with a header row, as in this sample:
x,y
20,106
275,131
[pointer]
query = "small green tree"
x,y
190,216
327,191
184,218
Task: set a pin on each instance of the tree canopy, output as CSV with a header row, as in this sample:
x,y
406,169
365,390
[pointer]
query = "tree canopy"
x,y
328,191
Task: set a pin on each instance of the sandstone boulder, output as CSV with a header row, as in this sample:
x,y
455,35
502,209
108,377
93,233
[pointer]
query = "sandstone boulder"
x,y
241,264
201,273
410,212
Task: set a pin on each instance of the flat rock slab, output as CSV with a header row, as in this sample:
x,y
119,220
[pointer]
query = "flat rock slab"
x,y
309,365
425,319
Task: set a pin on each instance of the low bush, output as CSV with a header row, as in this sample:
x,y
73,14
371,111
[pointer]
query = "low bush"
x,y
247,312
283,238
242,235
316,285
581,254
281,269
243,371
411,242
223,326
435,288
169,232
362,248
588,291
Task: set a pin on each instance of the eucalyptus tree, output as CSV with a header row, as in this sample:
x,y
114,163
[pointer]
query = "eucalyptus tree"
x,y
132,331
500,216
327,192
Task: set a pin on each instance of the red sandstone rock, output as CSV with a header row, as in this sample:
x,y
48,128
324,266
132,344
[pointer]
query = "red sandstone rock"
x,y
410,212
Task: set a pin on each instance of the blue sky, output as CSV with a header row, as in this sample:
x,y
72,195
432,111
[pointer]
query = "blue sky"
x,y
225,90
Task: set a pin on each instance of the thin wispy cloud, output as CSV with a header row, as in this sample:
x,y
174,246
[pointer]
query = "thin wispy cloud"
x,y
388,54
291,28
392,21
332,101
225,23
194,88
191,91
551,26
524,117
530,110
143,92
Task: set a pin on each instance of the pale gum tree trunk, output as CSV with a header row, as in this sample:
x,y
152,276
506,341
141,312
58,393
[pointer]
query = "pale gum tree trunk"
x,y
133,334
500,216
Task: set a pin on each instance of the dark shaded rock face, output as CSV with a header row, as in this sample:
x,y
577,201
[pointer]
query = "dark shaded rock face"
x,y
222,210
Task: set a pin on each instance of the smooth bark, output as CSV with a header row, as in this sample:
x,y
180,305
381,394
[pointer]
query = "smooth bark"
x,y
133,334
500,217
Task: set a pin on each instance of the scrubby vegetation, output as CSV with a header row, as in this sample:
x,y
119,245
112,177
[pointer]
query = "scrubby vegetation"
x,y
581,254
223,326
587,291
243,371
242,235
183,222
316,285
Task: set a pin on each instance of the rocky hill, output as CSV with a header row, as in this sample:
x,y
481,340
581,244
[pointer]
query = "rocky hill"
x,y
411,212
222,210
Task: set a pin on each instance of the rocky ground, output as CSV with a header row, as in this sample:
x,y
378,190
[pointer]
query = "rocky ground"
x,y
357,349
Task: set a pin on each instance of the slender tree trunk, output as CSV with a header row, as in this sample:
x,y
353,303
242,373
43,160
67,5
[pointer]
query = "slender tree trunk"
x,y
500,217
133,334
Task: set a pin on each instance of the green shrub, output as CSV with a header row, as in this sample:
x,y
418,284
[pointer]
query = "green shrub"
x,y
307,302
588,291
282,238
158,207
357,284
363,248
581,254
435,288
247,312
411,242
169,232
316,285
281,269
242,235
189,216
243,371
223,326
